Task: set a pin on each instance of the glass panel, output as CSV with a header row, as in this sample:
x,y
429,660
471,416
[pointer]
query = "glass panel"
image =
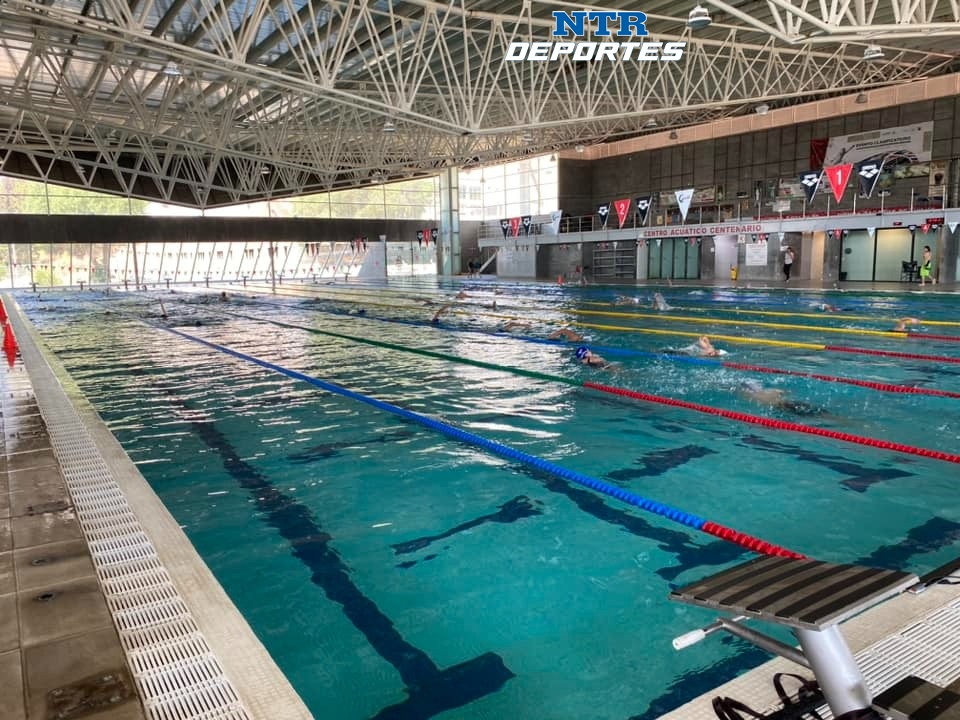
x,y
21,264
40,254
61,268
693,260
893,249
856,256
679,257
653,267
5,275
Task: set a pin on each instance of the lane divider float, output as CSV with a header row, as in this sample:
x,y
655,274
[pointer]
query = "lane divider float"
x,y
772,423
505,451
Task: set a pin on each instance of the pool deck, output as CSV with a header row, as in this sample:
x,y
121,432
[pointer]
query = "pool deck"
x,y
908,635
106,610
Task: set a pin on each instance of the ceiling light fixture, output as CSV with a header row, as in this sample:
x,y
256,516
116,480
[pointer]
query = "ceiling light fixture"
x,y
172,69
673,135
651,123
872,52
861,99
699,18
762,109
264,171
579,148
389,126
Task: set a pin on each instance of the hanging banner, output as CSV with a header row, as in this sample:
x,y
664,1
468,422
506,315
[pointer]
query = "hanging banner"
x,y
838,175
622,207
789,188
434,234
810,182
870,232
555,218
604,212
683,200
905,144
420,237
868,172
952,226
426,235
515,227
643,208
527,222
504,225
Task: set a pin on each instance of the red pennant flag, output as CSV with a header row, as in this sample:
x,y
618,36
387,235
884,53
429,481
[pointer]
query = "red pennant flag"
x,y
515,226
925,227
838,176
622,207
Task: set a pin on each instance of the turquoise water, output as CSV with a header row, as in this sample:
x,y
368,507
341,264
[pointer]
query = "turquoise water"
x,y
395,573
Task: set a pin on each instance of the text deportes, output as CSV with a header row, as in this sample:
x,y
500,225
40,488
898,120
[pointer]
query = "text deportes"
x,y
586,51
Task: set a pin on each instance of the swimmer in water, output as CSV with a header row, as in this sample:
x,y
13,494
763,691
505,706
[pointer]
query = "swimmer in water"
x,y
625,300
659,303
901,324
565,334
755,392
701,348
585,356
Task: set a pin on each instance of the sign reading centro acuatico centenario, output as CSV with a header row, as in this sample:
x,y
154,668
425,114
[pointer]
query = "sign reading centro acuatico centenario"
x,y
700,230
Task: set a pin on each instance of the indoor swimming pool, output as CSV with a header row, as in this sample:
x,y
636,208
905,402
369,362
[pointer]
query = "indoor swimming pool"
x,y
397,571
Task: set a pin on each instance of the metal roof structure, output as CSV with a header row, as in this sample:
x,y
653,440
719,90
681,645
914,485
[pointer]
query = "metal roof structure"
x,y
215,102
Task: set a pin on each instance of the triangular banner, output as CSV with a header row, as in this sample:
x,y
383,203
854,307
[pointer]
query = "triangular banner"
x,y
555,218
868,172
838,175
622,207
781,235
515,227
504,225
604,212
643,208
420,236
426,235
811,183
952,226
434,234
683,200
870,232
527,222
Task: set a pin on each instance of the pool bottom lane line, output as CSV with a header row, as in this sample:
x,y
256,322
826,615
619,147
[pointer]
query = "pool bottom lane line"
x,y
505,451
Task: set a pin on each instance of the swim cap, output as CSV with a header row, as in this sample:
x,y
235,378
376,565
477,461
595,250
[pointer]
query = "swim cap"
x,y
582,352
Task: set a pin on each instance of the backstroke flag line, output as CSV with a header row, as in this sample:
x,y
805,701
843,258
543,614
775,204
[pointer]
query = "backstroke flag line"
x,y
811,183
683,200
643,207
622,207
838,176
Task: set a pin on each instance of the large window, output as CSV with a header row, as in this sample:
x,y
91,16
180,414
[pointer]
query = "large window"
x,y
525,187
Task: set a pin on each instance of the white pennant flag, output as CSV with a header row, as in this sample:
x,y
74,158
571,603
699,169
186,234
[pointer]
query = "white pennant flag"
x,y
555,221
683,200
871,231
952,226
659,240
782,235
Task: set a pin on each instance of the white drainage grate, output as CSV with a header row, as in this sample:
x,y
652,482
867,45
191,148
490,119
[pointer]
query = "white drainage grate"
x,y
176,673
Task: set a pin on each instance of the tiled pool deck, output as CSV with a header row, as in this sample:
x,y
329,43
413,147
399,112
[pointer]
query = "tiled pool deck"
x,y
106,610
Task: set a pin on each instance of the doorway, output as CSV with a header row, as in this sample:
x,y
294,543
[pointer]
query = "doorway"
x,y
674,259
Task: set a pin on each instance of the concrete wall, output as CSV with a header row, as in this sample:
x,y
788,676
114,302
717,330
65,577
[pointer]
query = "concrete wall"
x,y
737,162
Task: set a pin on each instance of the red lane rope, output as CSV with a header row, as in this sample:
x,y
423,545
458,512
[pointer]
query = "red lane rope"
x,y
890,353
927,336
779,424
884,387
748,541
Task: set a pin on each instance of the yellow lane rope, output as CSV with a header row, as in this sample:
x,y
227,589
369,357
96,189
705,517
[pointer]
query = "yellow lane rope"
x,y
819,316
645,331
754,323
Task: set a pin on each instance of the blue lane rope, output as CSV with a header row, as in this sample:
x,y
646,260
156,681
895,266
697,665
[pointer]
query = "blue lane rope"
x,y
602,349
505,451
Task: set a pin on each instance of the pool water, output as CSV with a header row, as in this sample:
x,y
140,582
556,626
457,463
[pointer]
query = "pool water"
x,y
393,572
